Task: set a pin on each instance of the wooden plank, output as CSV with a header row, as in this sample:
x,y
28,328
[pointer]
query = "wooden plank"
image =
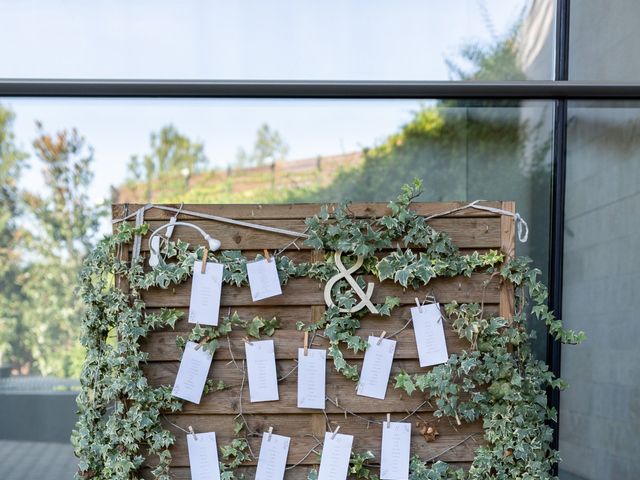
x,y
465,233
366,437
184,473
449,448
290,315
307,291
298,473
298,210
227,401
508,247
162,345
300,256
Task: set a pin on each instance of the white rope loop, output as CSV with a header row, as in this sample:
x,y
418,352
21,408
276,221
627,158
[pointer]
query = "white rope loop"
x,y
521,224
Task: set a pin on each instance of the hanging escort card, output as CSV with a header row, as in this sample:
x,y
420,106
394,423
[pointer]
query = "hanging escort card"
x,y
206,288
396,444
429,331
336,452
311,378
263,279
261,368
192,373
203,456
376,367
273,457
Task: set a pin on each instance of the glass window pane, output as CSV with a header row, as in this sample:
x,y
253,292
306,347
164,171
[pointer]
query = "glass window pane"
x,y
232,151
599,420
279,39
600,36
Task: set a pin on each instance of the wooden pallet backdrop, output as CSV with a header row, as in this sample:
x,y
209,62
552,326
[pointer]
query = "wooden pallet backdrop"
x,y
302,299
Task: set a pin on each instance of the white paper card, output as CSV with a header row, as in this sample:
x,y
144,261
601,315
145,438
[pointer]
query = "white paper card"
x,y
263,279
203,456
429,331
273,457
192,374
334,462
376,368
396,444
206,288
261,370
311,378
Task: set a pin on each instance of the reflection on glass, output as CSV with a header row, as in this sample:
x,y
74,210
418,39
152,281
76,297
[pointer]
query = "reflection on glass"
x,y
600,36
599,421
219,152
279,39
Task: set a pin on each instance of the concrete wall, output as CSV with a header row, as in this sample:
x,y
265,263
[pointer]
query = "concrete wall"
x,y
41,417
600,412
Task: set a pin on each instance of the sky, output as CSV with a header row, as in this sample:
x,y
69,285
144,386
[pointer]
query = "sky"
x,y
198,39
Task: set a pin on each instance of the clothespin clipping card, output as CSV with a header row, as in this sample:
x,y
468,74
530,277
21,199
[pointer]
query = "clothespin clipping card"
x,y
270,433
388,420
419,305
205,255
202,342
263,278
306,344
376,368
335,432
192,432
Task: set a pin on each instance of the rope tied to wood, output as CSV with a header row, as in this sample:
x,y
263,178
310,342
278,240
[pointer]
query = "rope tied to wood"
x,y
521,224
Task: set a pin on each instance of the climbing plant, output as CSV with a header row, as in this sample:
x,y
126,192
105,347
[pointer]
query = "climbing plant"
x,y
496,378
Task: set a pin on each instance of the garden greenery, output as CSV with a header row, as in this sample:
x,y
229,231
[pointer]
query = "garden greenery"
x,y
496,379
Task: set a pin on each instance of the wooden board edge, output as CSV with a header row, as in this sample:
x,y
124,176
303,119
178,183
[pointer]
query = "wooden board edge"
x,y
508,248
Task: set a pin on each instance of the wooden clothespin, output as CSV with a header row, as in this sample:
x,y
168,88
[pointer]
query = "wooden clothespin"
x,y
388,420
205,254
381,337
266,255
419,305
202,342
192,431
335,432
246,340
306,343
270,433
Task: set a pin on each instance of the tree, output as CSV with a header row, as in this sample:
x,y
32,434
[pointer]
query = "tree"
x,y
63,223
13,347
268,145
171,152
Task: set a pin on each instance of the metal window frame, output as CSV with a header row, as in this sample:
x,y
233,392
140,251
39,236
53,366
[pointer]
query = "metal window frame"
x,y
560,90
521,90
559,181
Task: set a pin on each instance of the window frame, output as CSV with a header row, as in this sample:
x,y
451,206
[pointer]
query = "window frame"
x,y
560,90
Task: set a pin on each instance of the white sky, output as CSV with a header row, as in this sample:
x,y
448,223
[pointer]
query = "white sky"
x,y
275,39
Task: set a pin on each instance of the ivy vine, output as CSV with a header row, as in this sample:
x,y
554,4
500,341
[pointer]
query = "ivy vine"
x,y
496,379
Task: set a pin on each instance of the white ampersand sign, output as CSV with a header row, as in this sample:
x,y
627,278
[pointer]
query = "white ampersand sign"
x,y
365,298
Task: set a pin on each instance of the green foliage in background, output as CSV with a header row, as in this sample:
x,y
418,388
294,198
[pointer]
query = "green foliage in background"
x,y
14,349
269,147
172,154
46,234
